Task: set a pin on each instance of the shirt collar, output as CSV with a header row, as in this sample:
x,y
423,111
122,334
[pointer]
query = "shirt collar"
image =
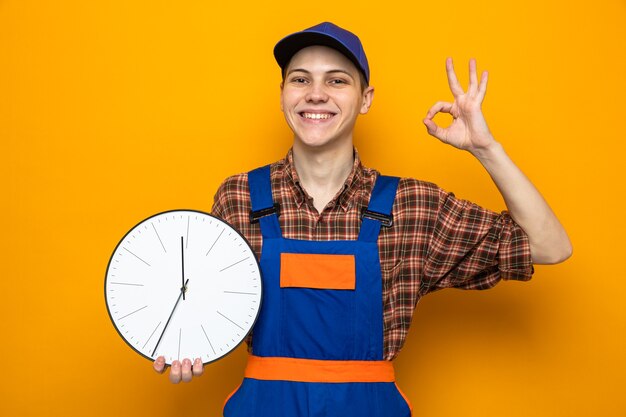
x,y
344,197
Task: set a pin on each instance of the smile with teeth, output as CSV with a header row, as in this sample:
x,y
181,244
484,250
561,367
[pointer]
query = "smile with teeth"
x,y
316,116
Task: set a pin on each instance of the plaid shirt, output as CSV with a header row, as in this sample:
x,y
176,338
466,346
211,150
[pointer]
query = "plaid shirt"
x,y
437,241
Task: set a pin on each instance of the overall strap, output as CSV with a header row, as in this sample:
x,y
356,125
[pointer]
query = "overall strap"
x,y
378,212
263,210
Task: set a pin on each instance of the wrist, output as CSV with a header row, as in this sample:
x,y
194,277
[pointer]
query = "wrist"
x,y
488,153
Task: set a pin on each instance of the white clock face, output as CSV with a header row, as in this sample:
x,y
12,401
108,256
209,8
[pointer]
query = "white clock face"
x,y
183,284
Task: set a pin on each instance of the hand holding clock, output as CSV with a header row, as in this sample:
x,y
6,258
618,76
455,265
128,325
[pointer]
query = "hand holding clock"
x,y
181,371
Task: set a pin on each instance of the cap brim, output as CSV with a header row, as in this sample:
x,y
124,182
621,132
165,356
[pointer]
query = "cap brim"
x,y
287,47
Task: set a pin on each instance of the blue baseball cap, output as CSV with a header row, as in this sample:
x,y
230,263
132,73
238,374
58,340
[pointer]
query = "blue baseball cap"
x,y
326,34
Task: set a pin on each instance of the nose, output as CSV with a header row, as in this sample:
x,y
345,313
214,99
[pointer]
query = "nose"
x,y
317,93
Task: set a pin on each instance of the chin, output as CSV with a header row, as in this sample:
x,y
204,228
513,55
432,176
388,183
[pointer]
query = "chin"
x,y
323,145
314,142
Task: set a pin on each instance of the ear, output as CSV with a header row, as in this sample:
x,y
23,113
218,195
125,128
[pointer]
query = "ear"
x,y
282,84
368,97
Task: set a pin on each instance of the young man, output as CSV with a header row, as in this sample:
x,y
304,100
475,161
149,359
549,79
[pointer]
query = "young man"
x,y
347,253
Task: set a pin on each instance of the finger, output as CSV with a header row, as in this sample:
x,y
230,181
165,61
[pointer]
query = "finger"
x,y
159,364
434,130
175,372
440,106
198,367
473,84
482,88
453,82
186,371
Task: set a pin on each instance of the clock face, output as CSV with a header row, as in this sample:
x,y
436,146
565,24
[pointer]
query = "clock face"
x,y
183,284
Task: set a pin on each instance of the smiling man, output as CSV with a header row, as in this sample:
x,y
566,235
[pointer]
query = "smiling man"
x,y
322,96
346,253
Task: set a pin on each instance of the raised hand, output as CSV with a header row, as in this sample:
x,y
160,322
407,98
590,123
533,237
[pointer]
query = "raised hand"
x,y
549,242
469,130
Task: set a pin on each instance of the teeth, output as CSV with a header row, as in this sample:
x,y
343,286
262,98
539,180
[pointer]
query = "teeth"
x,y
316,116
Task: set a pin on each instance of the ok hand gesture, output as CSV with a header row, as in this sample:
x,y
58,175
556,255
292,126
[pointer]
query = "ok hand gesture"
x,y
469,130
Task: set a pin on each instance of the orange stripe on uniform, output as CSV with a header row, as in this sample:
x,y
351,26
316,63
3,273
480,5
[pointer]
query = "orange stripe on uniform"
x,y
321,271
230,395
314,370
406,399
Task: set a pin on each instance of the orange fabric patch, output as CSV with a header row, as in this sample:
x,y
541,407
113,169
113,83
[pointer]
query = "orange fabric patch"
x,y
322,271
314,370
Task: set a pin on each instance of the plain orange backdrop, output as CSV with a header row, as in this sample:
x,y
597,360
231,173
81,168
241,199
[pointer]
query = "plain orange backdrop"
x,y
113,111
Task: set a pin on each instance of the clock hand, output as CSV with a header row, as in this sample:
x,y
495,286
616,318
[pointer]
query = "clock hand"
x,y
182,292
182,257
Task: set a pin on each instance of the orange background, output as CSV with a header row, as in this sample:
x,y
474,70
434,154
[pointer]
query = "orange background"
x,y
113,111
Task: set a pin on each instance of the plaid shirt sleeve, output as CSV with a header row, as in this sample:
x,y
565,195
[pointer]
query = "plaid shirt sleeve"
x,y
471,247
232,204
438,241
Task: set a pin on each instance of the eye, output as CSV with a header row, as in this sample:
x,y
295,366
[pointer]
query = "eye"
x,y
299,80
338,81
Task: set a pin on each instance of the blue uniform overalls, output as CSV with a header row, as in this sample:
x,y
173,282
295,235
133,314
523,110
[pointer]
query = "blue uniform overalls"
x,y
318,348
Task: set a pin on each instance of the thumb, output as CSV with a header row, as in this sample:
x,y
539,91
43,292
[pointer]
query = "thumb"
x,y
431,127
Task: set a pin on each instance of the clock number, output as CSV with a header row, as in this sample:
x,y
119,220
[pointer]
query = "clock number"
x,y
230,320
139,309
187,237
182,263
159,237
218,237
239,292
207,339
151,334
230,266
180,335
126,283
137,257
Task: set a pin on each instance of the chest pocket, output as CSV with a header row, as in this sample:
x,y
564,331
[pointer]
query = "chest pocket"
x,y
320,271
318,305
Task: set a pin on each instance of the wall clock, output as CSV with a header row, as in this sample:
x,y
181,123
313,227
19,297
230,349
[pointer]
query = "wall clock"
x,y
183,284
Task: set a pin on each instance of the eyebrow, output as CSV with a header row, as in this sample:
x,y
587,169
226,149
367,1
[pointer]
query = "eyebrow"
x,y
327,72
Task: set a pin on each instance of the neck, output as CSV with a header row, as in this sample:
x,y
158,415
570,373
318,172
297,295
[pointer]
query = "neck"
x,y
322,172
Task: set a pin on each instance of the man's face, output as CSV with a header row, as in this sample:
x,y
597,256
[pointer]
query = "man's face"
x,y
321,97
